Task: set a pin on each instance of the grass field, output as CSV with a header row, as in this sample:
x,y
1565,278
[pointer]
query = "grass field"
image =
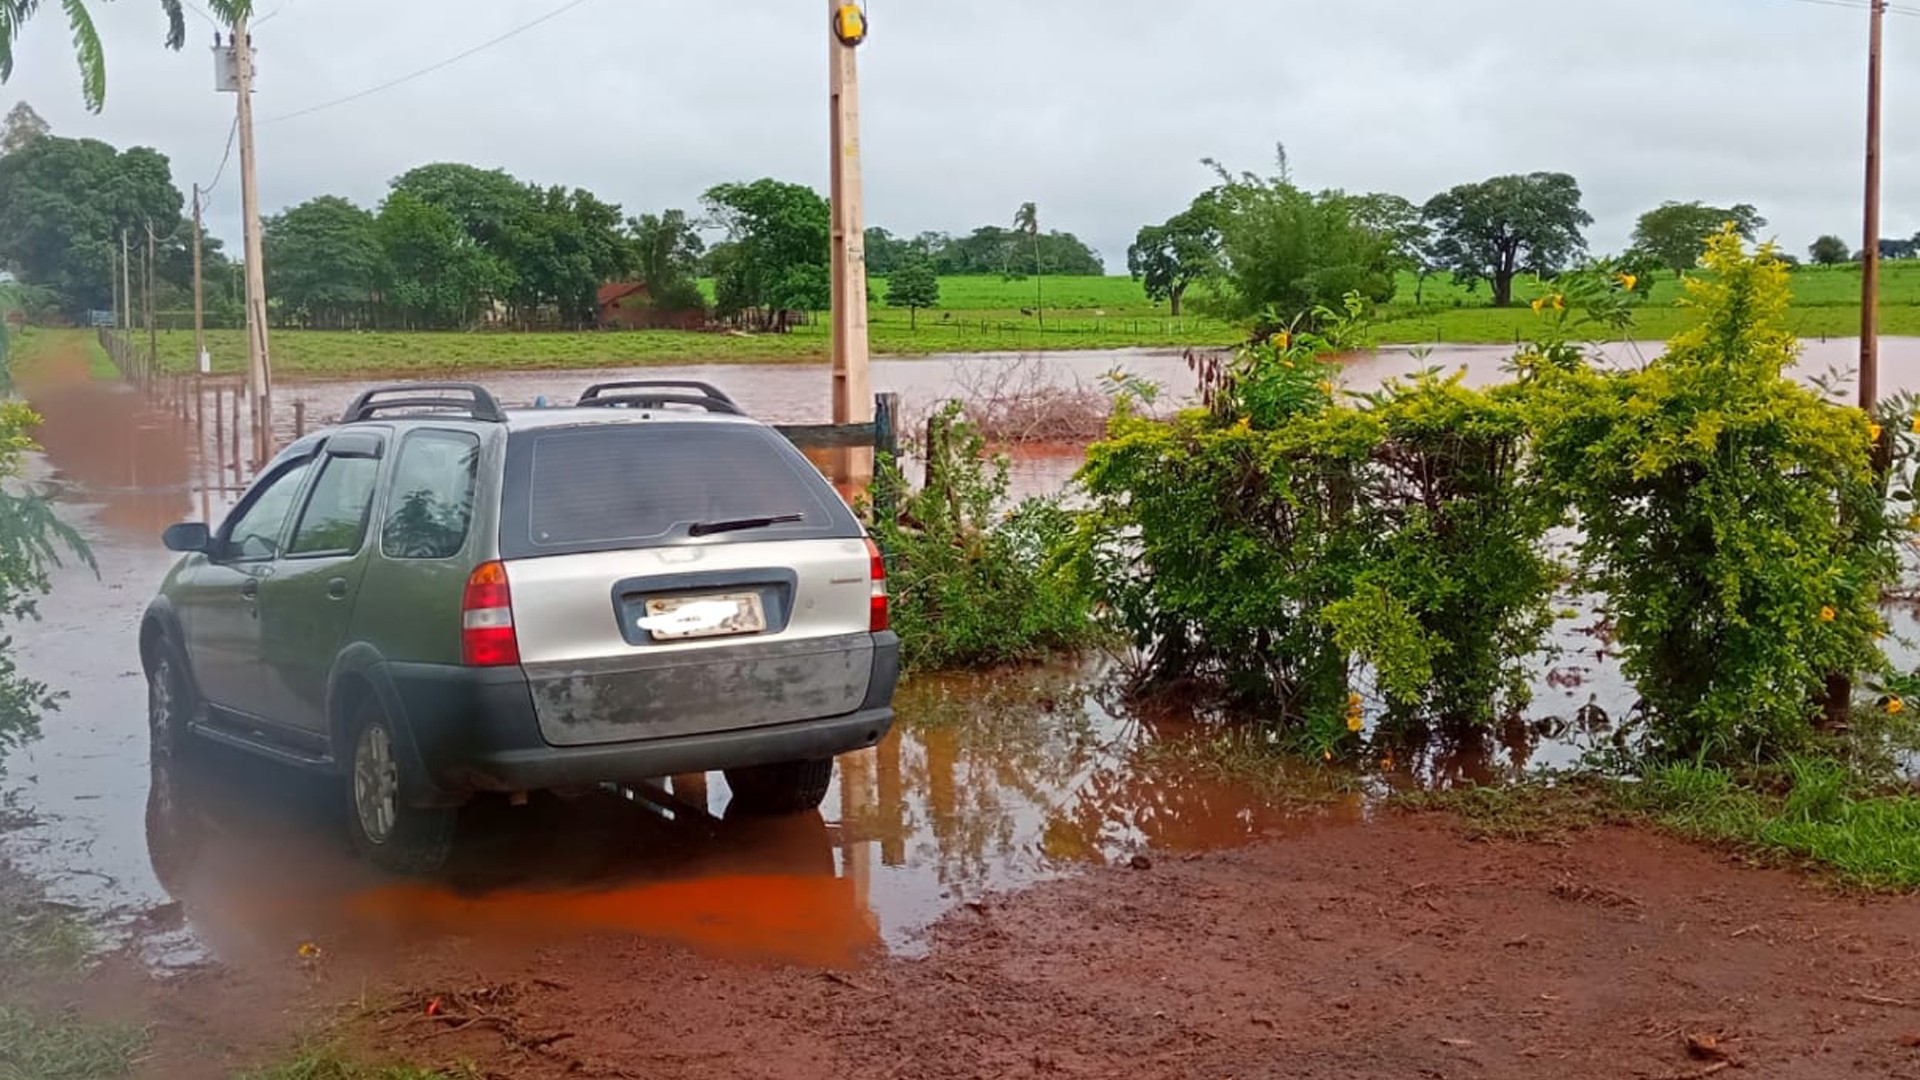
x,y
988,314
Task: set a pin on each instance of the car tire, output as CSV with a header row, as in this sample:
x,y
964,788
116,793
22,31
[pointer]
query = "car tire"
x,y
790,787
385,830
169,699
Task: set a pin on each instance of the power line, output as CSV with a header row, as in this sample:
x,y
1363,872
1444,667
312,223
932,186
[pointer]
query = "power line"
x,y
431,68
207,189
269,16
1862,5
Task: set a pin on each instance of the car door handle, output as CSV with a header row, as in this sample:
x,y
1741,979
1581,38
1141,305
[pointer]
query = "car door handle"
x,y
249,589
337,589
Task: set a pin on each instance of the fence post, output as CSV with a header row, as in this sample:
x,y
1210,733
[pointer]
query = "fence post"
x,y
886,444
299,419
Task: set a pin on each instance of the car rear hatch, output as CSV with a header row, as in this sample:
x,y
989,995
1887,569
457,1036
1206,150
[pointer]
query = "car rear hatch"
x,y
670,577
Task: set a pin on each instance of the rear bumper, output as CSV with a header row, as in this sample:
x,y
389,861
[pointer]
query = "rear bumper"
x,y
475,730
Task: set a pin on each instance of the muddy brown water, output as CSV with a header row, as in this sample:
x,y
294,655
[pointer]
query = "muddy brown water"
x,y
989,781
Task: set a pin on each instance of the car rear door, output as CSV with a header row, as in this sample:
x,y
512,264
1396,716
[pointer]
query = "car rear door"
x,y
674,577
306,605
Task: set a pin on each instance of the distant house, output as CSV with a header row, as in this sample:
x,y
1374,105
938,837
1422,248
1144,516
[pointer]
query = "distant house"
x,y
627,305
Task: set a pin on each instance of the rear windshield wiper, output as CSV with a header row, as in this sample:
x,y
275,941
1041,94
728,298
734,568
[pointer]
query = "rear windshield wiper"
x,y
709,528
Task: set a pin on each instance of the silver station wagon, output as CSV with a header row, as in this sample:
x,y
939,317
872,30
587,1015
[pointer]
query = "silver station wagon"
x,y
440,597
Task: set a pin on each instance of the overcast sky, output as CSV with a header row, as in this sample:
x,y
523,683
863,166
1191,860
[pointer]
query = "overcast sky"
x,y
1098,110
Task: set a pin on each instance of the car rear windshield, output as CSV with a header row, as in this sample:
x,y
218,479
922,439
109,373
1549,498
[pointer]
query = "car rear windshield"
x,y
604,487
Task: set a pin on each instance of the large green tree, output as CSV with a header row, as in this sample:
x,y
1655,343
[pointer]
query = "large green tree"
x,y
667,250
561,249
776,251
324,262
1288,250
1830,251
486,202
86,38
913,286
64,204
1496,229
1168,258
1675,233
438,277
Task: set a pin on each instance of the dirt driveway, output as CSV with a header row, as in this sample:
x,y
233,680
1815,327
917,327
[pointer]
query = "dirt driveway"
x,y
1391,948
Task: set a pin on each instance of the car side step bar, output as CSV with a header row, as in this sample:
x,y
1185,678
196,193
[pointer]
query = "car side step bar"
x,y
255,743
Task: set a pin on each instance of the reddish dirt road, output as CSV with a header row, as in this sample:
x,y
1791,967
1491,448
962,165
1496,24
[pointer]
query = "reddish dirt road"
x,y
1395,948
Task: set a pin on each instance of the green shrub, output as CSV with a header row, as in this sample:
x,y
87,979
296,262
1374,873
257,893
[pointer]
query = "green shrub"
x,y
973,583
1729,516
1277,541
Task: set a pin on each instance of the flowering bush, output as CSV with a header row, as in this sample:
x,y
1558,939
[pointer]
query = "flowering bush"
x,y
1729,515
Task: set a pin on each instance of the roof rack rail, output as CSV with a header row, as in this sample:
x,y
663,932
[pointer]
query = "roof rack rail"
x,y
658,401
428,397
703,389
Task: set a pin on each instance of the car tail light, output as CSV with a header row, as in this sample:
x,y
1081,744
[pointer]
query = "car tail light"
x,y
878,618
486,619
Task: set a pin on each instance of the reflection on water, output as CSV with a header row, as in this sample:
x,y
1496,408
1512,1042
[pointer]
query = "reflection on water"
x,y
988,782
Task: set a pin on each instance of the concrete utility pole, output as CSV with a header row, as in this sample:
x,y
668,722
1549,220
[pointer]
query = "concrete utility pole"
x,y
1870,254
259,367
199,293
852,381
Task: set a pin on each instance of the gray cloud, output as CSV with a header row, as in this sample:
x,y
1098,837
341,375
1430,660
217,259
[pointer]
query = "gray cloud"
x,y
1099,110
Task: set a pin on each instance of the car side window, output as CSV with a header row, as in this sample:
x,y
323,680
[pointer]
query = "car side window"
x,y
334,521
430,507
254,534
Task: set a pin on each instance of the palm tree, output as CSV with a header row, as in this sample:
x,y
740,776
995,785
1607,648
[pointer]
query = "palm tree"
x,y
1026,220
86,39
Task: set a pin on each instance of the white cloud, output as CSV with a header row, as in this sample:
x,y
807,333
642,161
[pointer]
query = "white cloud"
x,y
1099,110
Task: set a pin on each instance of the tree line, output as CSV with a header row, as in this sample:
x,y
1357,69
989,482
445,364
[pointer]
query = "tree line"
x,y
1264,246
453,245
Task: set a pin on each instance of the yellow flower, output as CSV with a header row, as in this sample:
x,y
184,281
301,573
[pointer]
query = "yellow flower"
x,y
1559,302
1628,281
1353,721
1873,432
1283,340
1827,614
1538,303
1245,423
1914,522
1895,706
1326,387
308,951
1916,424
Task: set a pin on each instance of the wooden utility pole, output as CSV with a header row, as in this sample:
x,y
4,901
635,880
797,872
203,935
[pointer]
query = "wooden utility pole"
x,y
259,367
1870,253
126,284
852,381
153,331
199,293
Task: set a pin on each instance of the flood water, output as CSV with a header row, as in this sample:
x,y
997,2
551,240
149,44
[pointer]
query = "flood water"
x,y
989,781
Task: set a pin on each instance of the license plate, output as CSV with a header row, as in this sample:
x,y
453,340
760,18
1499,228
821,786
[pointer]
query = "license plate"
x,y
681,617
